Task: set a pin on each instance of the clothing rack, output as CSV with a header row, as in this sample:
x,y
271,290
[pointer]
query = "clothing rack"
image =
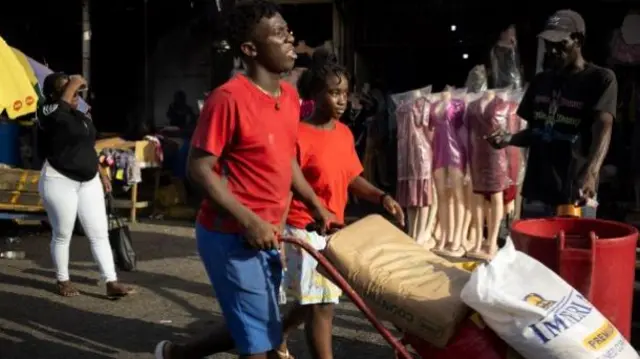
x,y
145,154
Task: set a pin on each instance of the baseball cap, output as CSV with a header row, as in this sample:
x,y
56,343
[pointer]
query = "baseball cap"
x,y
562,24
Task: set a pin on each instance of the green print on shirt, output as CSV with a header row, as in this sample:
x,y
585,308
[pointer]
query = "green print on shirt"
x,y
558,118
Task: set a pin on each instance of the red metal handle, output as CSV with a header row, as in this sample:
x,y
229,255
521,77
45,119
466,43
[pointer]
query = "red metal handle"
x,y
336,277
577,265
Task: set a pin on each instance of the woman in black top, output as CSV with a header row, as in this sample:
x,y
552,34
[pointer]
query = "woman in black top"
x,y
70,185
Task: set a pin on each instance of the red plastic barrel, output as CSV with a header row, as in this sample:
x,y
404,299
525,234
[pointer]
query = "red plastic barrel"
x,y
596,257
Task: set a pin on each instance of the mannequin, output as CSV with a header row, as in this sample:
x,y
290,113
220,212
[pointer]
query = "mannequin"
x,y
449,165
515,158
625,44
469,230
489,171
505,60
414,189
477,79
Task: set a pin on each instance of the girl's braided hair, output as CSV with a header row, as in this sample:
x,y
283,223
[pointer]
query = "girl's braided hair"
x,y
314,79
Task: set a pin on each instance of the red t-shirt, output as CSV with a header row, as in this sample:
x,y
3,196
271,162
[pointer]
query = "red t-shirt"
x,y
254,136
329,162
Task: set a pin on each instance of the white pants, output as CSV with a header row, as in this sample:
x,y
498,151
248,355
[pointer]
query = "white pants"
x,y
65,199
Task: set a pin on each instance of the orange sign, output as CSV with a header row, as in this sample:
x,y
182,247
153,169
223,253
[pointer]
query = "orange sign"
x,y
17,105
29,100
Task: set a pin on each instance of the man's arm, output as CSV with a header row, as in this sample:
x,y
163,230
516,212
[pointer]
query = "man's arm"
x,y
521,139
605,111
213,134
525,111
73,85
365,190
601,137
302,190
209,183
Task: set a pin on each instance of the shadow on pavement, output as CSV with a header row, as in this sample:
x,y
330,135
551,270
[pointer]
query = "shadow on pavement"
x,y
161,285
149,246
61,331
29,346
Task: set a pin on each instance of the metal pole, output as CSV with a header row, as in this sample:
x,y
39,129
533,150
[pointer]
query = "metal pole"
x,y
146,63
86,43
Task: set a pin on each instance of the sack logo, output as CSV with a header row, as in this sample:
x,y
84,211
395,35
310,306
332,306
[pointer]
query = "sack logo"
x,y
539,301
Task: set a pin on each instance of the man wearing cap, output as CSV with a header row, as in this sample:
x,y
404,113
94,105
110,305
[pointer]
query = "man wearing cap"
x,y
569,109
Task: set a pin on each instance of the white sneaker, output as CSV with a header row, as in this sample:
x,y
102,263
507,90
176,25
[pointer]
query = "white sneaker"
x,y
159,352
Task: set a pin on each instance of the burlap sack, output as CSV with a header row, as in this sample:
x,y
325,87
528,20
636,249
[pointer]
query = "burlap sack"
x,y
402,282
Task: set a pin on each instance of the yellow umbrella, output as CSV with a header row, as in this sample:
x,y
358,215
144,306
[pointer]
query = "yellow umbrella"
x,y
17,93
22,59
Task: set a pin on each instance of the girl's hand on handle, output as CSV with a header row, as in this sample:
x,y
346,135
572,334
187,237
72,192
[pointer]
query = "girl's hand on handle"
x,y
394,209
324,220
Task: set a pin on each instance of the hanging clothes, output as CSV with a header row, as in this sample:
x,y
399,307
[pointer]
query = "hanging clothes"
x,y
515,155
623,52
124,165
306,109
489,167
449,150
414,154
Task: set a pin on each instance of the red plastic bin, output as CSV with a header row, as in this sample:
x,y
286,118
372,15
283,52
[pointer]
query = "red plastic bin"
x,y
596,257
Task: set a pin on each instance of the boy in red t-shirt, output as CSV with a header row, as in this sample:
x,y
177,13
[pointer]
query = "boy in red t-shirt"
x,y
243,160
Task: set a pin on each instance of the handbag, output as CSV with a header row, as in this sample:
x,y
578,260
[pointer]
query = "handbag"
x,y
120,239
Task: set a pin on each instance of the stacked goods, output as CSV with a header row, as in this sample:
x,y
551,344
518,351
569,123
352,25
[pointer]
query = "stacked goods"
x,y
414,289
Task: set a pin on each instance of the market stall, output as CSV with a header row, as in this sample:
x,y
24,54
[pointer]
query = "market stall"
x,y
18,102
147,155
20,93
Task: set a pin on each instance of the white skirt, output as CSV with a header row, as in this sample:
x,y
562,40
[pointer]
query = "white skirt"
x,y
302,280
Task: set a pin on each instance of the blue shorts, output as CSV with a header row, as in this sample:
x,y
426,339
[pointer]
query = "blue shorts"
x,y
246,283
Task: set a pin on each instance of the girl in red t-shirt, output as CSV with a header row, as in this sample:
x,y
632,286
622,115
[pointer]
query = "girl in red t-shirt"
x,y
327,156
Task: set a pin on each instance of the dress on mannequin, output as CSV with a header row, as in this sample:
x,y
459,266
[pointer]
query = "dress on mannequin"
x,y
449,166
414,155
625,44
469,231
515,161
448,148
306,109
414,184
489,167
489,170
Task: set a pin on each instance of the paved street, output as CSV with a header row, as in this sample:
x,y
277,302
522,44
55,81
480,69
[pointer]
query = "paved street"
x,y
174,302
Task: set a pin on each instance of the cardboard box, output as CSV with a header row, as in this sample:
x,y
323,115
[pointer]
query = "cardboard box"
x,y
403,283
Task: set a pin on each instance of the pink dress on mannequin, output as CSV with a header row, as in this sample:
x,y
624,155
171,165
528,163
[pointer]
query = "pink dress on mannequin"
x,y
306,109
514,154
489,167
414,154
449,150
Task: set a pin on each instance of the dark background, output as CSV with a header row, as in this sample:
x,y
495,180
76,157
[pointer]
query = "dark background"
x,y
409,43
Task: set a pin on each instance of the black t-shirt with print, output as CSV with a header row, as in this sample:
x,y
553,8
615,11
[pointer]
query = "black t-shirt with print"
x,y
560,111
67,140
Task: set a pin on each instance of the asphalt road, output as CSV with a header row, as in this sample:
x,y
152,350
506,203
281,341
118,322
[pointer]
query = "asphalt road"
x,y
174,301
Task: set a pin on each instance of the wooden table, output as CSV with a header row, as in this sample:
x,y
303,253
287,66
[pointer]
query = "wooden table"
x,y
19,195
145,153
